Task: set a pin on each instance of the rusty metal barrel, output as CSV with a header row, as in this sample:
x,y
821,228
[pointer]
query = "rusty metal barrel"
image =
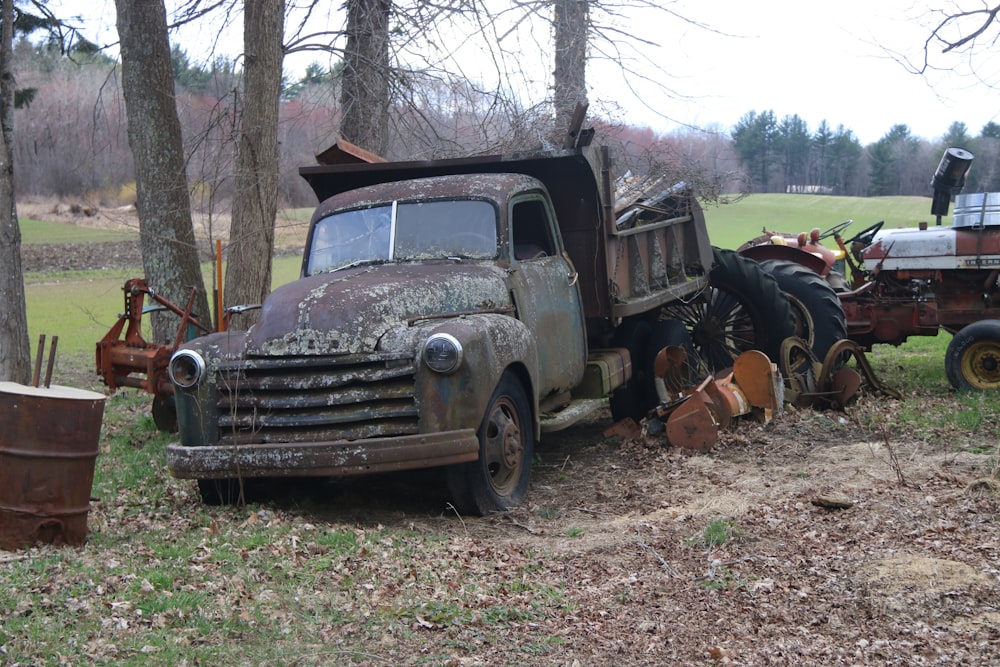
x,y
48,448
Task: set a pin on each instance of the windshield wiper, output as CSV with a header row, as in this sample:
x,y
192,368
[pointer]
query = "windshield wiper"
x,y
358,262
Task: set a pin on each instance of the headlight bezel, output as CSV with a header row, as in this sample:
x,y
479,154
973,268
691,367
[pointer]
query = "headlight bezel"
x,y
442,353
186,369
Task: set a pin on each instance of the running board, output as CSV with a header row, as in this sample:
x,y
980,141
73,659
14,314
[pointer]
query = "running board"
x,y
571,414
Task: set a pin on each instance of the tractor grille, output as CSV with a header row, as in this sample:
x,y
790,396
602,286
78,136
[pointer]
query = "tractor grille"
x,y
316,399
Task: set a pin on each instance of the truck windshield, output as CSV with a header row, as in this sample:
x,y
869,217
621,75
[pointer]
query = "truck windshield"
x,y
461,228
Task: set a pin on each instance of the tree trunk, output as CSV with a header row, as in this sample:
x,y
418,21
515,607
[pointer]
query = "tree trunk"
x,y
15,356
255,203
364,97
169,256
570,78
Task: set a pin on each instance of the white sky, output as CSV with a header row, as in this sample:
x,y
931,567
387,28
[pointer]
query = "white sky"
x,y
823,60
820,60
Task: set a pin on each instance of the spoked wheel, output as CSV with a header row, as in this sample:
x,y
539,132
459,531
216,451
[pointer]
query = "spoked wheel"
x,y
743,309
673,334
973,357
498,481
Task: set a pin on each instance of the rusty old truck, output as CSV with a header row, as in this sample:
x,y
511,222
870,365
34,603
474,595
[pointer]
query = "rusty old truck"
x,y
450,312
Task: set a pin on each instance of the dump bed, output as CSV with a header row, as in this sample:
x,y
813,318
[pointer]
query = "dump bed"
x,y
648,249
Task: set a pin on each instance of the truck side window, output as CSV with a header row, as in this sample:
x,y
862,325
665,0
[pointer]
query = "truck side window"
x,y
530,230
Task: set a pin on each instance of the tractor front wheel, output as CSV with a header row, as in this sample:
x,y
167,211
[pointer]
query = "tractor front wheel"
x,y
973,357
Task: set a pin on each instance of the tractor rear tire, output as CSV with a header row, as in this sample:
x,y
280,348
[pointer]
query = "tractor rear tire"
x,y
743,309
973,357
819,317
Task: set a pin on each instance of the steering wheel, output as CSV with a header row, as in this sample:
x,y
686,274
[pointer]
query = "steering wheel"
x,y
866,235
836,229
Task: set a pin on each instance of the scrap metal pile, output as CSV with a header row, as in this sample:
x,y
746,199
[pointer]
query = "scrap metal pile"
x,y
692,414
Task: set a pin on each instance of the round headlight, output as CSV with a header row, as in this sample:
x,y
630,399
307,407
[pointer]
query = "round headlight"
x,y
442,353
186,368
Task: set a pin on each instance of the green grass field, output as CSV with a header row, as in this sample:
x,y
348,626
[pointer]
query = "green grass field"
x,y
81,306
730,225
38,231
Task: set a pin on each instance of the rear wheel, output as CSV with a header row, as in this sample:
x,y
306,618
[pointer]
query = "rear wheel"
x,y
635,398
499,480
973,357
743,309
819,317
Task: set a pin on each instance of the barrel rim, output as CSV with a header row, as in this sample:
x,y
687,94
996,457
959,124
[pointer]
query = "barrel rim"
x,y
52,391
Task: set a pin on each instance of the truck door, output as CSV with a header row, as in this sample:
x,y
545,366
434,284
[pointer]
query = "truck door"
x,y
546,294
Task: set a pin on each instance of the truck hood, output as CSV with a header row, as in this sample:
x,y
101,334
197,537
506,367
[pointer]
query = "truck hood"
x,y
348,311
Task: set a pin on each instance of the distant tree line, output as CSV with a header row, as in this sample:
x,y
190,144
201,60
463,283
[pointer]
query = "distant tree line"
x,y
72,144
785,156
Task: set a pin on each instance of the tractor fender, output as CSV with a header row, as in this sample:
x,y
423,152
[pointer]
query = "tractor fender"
x,y
766,251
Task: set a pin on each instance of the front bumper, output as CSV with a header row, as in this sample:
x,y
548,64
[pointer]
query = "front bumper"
x,y
324,459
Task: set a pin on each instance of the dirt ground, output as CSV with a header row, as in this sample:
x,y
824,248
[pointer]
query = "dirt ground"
x,y
833,545
906,574
837,547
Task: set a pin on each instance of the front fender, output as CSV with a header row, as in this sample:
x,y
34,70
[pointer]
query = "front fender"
x,y
492,344
196,411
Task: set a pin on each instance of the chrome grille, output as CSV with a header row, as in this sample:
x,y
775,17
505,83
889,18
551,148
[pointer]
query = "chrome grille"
x,y
315,399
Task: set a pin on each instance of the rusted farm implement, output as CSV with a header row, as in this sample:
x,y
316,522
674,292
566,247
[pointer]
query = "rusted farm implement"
x,y
126,359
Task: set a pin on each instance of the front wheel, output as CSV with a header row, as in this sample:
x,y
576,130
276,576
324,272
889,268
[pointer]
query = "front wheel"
x,y
973,357
164,413
498,481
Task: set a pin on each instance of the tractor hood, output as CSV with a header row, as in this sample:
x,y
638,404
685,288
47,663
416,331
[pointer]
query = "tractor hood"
x,y
348,311
934,248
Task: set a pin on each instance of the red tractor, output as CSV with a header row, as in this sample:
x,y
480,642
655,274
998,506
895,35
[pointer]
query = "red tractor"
x,y
884,285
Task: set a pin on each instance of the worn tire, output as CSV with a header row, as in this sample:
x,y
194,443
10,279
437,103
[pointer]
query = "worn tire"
x,y
499,479
743,309
973,357
819,317
635,398
164,413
